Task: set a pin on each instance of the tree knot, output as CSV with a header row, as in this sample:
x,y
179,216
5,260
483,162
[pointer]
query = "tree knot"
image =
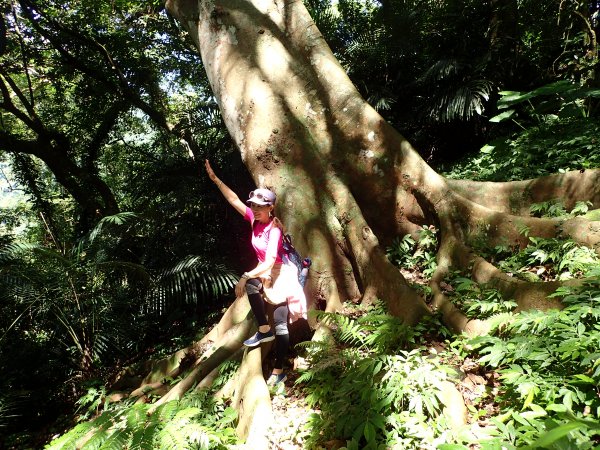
x,y
218,12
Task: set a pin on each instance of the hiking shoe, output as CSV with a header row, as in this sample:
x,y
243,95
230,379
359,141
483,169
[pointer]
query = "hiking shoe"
x,y
258,338
274,379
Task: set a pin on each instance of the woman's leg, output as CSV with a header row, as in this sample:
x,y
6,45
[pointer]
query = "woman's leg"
x,y
253,288
264,334
282,337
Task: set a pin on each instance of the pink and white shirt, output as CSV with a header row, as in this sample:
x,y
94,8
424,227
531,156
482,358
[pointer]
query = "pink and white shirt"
x,y
266,238
267,242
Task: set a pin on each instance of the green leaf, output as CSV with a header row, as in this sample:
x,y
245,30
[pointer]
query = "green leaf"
x,y
502,116
529,398
452,447
379,421
555,434
556,407
359,431
369,432
585,378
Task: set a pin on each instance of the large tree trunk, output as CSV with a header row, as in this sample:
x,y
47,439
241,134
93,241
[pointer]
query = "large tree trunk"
x,y
345,179
303,130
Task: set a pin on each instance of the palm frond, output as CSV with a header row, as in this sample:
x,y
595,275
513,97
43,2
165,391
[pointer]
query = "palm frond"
x,y
133,270
460,101
102,229
368,45
457,92
18,251
121,218
382,99
441,70
191,280
7,410
326,17
72,296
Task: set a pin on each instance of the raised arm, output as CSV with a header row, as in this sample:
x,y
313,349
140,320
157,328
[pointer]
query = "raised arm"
x,y
229,195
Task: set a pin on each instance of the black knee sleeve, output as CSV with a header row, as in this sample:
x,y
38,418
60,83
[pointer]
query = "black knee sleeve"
x,y
253,288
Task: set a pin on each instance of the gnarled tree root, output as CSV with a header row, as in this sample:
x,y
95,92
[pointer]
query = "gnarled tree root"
x,y
252,401
173,365
516,197
229,344
247,388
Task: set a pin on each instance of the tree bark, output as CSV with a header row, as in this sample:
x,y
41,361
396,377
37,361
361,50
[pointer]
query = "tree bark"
x,y
303,130
347,182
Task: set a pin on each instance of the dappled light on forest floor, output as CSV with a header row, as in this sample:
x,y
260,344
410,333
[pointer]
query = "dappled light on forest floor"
x,y
291,414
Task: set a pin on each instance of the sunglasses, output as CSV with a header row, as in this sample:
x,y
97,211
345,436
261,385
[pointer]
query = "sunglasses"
x,y
259,196
257,206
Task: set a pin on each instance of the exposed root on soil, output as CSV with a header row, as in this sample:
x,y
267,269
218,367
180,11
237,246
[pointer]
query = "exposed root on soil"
x,y
465,225
516,197
379,279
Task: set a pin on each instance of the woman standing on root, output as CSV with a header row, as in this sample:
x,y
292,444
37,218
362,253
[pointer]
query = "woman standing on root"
x,y
273,280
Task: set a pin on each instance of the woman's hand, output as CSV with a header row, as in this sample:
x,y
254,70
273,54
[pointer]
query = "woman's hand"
x,y
229,195
209,171
266,281
240,288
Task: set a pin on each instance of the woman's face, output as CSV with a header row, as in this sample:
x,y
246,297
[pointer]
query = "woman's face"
x,y
261,212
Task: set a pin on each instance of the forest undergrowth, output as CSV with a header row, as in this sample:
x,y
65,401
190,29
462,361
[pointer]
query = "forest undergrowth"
x,y
376,383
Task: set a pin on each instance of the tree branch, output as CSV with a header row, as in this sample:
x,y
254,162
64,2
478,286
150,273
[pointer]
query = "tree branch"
x,y
122,86
10,107
23,54
102,132
12,145
27,104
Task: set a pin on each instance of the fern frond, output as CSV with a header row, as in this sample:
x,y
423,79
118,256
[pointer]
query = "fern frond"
x,y
339,359
144,438
137,415
198,435
350,331
118,440
96,440
69,440
187,414
314,345
306,377
172,437
386,332
345,329
165,412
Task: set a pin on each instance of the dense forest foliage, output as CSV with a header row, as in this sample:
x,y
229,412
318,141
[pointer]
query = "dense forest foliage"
x,y
115,248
